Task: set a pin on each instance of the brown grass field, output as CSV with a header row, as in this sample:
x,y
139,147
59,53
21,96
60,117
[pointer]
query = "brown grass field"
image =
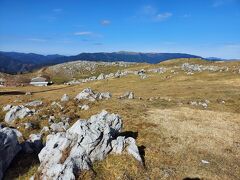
x,y
173,136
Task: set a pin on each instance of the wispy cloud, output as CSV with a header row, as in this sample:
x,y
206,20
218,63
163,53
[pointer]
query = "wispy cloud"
x,y
218,3
151,13
105,22
57,10
37,40
83,33
163,16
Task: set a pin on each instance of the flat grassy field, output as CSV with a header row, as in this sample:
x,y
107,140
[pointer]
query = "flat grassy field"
x,y
175,138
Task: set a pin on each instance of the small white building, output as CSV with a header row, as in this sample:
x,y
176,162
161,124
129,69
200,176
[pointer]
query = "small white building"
x,y
39,81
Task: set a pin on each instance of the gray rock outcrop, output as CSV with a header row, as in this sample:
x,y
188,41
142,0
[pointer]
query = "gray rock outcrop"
x,y
9,147
67,153
127,95
90,95
16,112
34,103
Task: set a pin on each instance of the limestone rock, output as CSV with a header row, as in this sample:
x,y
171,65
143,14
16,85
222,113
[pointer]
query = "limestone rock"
x,y
9,148
59,127
89,94
7,107
127,95
67,153
101,77
65,98
84,107
17,112
34,103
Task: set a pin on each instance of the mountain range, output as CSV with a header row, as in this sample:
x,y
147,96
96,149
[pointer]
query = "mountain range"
x,y
15,62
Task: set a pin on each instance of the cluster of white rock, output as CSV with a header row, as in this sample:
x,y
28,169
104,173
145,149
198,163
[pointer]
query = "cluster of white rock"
x,y
67,153
89,94
20,111
102,76
15,112
71,68
199,68
127,95
203,103
141,73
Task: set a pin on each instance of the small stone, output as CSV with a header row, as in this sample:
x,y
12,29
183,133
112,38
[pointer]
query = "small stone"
x,y
65,98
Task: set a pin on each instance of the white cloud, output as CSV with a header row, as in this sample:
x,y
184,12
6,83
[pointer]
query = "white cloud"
x,y
163,16
105,22
83,33
150,12
218,3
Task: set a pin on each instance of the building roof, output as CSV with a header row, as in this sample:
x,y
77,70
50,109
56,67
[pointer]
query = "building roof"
x,y
39,79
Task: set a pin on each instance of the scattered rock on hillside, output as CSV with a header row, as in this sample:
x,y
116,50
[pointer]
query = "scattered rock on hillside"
x,y
199,68
84,107
34,103
28,93
59,127
88,94
17,112
28,125
204,103
44,130
67,153
65,98
127,95
104,95
160,70
101,77
9,148
56,104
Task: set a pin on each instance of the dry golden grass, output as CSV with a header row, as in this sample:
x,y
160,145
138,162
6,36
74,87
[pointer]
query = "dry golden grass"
x,y
173,136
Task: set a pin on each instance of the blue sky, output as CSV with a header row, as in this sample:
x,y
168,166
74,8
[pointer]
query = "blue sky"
x,y
200,27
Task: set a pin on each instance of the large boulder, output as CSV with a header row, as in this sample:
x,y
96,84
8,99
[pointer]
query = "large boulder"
x,y
9,147
17,112
68,153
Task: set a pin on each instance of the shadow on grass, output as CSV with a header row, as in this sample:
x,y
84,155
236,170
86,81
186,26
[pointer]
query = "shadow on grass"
x,y
21,166
12,93
188,178
134,135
